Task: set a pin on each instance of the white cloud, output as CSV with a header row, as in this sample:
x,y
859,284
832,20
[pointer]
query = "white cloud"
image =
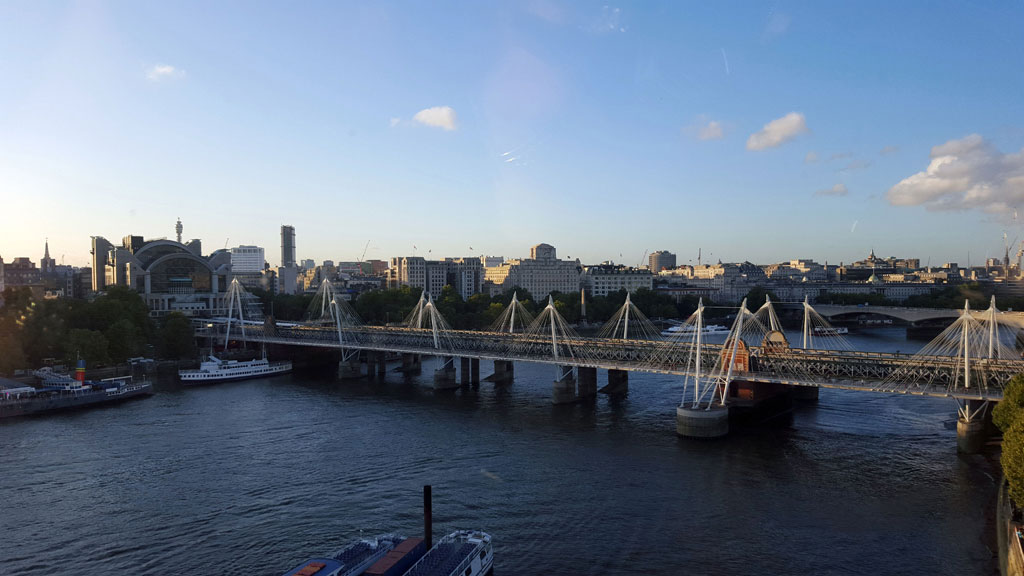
x,y
837,190
162,72
778,24
608,21
395,122
811,158
438,117
889,150
778,131
711,131
965,174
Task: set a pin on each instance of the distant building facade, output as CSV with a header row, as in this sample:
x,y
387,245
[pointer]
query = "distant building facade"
x,y
378,267
22,272
464,275
541,274
247,259
170,276
661,260
604,279
287,245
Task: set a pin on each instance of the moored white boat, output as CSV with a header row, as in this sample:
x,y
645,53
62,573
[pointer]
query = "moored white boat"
x,y
461,553
683,330
217,370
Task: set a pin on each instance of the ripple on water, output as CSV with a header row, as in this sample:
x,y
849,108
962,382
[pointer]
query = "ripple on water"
x,y
254,477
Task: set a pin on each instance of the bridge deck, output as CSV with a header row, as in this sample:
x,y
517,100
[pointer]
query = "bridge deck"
x,y
884,372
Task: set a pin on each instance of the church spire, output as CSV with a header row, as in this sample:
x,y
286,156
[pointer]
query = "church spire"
x,y
47,265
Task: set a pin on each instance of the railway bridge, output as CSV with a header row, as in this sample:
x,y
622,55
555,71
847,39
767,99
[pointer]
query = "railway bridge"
x,y
970,362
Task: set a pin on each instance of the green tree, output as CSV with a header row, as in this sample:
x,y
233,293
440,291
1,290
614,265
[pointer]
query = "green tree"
x,y
12,357
44,331
1013,460
124,340
756,298
88,345
177,340
1009,409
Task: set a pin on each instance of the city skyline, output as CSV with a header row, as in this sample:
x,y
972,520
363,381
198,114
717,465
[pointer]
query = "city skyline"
x,y
761,134
700,255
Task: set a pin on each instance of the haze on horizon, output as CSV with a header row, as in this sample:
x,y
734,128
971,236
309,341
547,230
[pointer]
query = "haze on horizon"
x,y
759,133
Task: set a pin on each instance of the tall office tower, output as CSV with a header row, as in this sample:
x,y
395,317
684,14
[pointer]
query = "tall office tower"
x,y
661,260
288,246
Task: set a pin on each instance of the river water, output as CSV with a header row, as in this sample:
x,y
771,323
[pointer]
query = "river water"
x,y
253,477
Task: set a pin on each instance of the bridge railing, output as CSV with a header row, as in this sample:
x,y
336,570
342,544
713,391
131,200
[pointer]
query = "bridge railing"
x,y
871,369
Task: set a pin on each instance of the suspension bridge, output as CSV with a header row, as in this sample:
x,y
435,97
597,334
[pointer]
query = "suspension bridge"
x,y
970,361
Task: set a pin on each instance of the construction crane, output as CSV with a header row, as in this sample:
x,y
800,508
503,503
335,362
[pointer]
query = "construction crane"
x,y
365,248
642,258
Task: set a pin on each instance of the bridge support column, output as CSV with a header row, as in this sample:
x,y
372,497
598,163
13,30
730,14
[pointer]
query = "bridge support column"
x,y
350,369
464,371
563,391
504,372
444,377
411,364
618,382
587,382
474,370
806,393
973,426
702,422
382,364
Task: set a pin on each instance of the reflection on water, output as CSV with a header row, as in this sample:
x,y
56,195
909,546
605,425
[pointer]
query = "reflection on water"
x,y
252,477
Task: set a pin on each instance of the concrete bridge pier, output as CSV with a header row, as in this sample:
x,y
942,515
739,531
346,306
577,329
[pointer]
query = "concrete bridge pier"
x,y
563,390
504,372
464,371
474,371
444,376
350,369
381,359
703,421
586,386
973,431
618,382
411,364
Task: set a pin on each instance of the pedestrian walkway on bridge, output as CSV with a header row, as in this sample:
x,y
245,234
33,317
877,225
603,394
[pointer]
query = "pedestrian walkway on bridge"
x,y
970,361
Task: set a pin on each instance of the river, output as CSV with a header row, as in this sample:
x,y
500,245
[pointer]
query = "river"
x,y
253,477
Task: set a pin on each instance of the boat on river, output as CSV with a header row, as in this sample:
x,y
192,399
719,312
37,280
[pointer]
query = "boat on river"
x,y
217,370
66,393
688,330
461,553
830,330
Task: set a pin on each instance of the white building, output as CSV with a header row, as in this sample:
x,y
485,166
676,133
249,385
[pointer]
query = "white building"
x,y
465,275
287,280
247,259
540,274
605,279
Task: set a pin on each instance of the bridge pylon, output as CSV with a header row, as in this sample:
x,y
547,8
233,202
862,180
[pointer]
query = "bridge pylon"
x,y
515,318
428,321
234,298
701,416
629,322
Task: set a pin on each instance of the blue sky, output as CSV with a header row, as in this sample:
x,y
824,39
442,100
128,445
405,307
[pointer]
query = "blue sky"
x,y
758,131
